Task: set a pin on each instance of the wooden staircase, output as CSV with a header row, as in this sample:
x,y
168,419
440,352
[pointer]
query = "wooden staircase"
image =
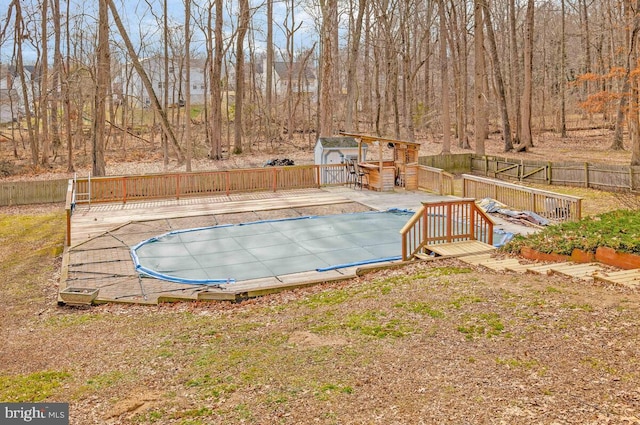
x,y
452,229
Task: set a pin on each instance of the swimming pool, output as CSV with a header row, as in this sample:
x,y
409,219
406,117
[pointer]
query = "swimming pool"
x,y
229,253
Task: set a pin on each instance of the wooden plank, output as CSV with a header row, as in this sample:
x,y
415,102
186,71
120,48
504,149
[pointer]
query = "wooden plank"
x,y
582,271
476,259
500,265
460,248
628,278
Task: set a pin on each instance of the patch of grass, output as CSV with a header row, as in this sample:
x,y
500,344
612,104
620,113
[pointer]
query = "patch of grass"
x,y
149,417
619,230
458,302
213,386
485,324
374,323
326,298
447,271
72,320
34,387
421,308
517,363
327,389
102,381
584,307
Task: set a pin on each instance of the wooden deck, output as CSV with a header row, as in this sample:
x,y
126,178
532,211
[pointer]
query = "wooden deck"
x,y
102,234
89,221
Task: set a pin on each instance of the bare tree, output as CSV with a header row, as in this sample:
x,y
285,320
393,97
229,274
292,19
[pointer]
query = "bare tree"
x,y
444,78
329,23
526,140
243,25
146,82
102,80
497,75
479,70
187,82
354,50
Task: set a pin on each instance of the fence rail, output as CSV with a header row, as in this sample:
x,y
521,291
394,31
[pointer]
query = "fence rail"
x,y
551,205
435,180
445,222
33,192
179,185
610,177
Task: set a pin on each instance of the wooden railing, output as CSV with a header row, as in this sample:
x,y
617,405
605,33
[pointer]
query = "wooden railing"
x,y
445,222
553,206
435,180
179,185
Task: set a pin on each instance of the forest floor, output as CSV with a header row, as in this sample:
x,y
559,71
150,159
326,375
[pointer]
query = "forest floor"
x,y
431,342
137,156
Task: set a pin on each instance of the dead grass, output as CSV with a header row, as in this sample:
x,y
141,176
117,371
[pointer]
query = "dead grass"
x,y
436,342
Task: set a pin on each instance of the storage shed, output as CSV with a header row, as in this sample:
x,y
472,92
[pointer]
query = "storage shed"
x,y
336,151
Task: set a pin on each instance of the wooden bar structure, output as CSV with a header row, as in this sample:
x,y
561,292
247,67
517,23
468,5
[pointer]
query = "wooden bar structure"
x,y
399,168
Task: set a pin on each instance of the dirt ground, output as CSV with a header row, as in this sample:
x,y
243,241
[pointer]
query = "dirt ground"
x,y
429,343
138,157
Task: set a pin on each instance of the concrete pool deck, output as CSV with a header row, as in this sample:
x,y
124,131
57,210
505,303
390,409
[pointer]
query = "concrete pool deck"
x,y
102,235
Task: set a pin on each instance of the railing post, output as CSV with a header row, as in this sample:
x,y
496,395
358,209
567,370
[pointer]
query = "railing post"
x,y
275,179
472,220
124,190
449,222
227,179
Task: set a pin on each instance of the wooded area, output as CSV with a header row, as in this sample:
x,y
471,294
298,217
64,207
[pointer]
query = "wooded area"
x,y
219,77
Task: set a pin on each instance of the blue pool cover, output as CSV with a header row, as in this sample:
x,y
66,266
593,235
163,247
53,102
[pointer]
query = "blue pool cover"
x,y
229,253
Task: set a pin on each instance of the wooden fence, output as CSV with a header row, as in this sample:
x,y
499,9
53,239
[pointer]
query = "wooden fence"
x,y
551,205
435,180
452,163
33,192
609,177
180,185
445,222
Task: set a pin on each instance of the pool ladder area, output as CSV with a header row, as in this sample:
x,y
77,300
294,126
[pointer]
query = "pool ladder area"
x,y
445,223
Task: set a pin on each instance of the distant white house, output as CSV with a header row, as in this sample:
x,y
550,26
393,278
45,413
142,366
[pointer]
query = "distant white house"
x,y
129,84
303,78
11,101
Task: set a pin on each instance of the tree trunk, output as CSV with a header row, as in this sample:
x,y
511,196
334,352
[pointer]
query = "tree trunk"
x,y
563,80
44,87
269,69
526,140
352,67
102,80
215,85
444,77
497,73
327,67
243,26
515,70
479,70
187,83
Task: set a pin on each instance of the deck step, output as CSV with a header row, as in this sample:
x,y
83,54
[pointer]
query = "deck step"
x,y
500,265
628,278
462,248
477,259
585,271
535,268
